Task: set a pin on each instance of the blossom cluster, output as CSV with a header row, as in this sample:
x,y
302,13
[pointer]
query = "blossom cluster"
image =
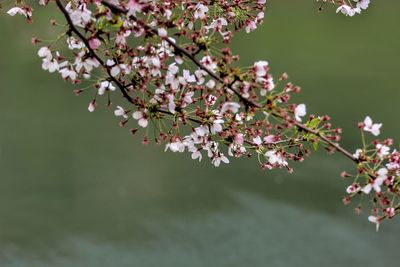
x,y
166,70
349,7
378,174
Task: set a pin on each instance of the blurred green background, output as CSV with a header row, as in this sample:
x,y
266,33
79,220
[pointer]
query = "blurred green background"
x,y
76,190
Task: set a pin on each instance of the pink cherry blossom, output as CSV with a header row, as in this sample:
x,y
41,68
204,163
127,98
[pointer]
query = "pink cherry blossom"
x,y
94,43
141,117
371,127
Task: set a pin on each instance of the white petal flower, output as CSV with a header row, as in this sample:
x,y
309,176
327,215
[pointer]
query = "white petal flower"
x,y
210,63
197,155
257,141
211,99
141,118
275,158
50,65
133,7
210,84
173,69
177,146
367,189
105,86
383,150
382,173
74,43
250,26
260,68
377,182
374,220
80,15
17,10
189,78
217,126
115,70
218,24
120,112
68,73
230,106
348,10
187,98
162,32
45,52
143,122
202,131
362,4
371,127
218,159
200,11
171,103
300,111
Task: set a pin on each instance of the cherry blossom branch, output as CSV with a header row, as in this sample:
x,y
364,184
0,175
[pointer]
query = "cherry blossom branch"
x,y
200,105
119,84
180,50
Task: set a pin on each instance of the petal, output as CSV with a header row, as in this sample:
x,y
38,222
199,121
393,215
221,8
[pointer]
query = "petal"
x,y
367,189
143,122
137,115
368,121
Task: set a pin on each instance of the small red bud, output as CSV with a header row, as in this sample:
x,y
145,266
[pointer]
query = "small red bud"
x,y
35,41
358,210
284,76
145,140
346,200
77,92
345,174
389,142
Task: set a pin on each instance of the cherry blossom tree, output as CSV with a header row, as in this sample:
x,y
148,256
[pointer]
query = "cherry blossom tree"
x,y
169,67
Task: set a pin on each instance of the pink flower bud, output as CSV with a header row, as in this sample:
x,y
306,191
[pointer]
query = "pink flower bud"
x,y
239,139
162,32
270,139
94,43
92,106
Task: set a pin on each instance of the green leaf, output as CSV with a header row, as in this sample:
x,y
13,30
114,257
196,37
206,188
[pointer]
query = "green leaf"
x,y
313,124
315,146
118,24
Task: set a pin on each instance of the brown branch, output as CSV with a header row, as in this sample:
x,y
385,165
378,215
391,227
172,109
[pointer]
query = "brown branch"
x,y
304,128
328,141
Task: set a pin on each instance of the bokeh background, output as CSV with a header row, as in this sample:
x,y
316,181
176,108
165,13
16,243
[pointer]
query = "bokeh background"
x,y
76,190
